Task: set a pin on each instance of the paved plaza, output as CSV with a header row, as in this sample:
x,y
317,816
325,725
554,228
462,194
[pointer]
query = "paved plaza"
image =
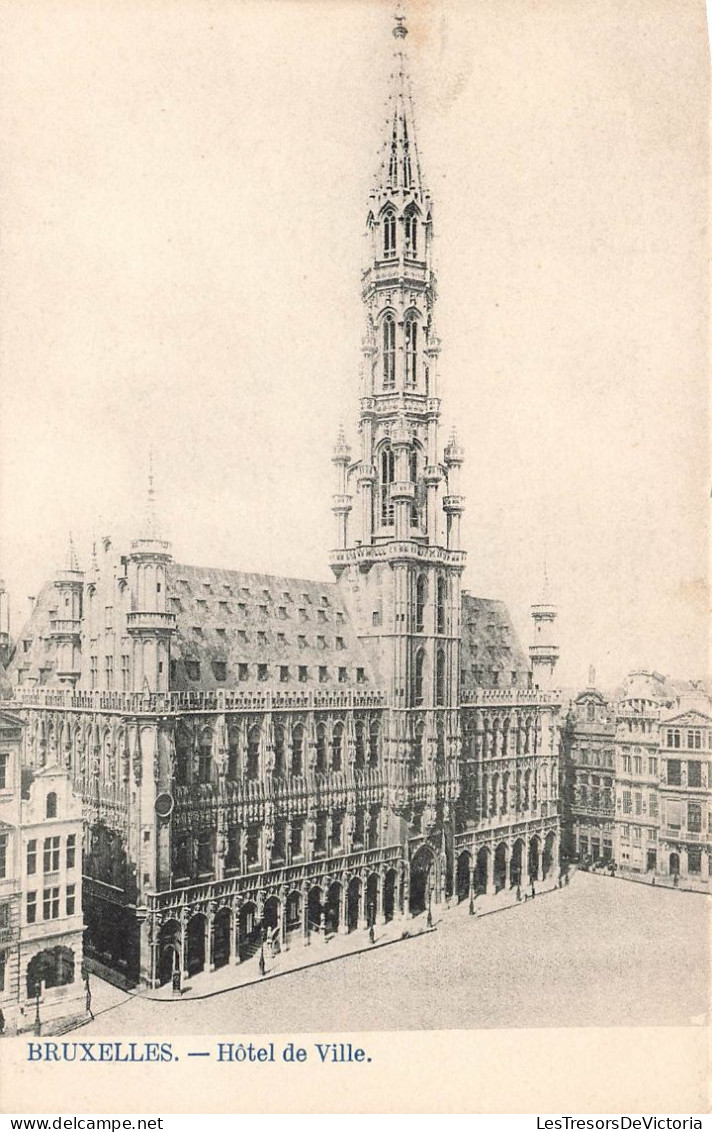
x,y
601,952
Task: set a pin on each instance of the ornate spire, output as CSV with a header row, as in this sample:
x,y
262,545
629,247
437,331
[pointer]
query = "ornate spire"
x,y
72,561
399,170
151,524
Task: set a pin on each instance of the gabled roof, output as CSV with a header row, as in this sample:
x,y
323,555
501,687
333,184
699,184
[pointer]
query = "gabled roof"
x,y
687,718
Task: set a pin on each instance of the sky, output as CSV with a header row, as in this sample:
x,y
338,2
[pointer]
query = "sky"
x,y
184,191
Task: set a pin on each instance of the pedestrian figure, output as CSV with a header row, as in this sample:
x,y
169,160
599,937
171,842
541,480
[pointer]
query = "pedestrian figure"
x,y
560,882
2,1022
371,934
533,890
653,880
566,880
519,894
87,990
676,880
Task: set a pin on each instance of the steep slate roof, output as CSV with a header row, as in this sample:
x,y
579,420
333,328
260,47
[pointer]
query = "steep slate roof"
x,y
34,653
234,618
489,645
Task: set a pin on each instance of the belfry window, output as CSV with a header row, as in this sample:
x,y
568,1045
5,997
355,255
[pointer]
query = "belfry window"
x,y
440,611
389,352
411,353
440,679
420,599
414,511
418,676
387,477
411,234
389,235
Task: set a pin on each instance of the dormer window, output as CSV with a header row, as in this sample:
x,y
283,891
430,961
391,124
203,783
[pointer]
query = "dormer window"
x,y
389,234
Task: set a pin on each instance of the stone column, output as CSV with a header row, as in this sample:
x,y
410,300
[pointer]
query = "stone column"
x,y
343,910
209,956
183,948
381,899
234,955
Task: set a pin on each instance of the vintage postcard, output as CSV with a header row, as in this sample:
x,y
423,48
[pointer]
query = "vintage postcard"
x,y
355,714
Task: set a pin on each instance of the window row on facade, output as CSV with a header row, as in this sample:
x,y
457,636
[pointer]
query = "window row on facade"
x,y
256,846
51,854
195,762
52,902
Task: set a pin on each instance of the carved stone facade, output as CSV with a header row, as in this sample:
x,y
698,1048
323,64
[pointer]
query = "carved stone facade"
x,y
267,759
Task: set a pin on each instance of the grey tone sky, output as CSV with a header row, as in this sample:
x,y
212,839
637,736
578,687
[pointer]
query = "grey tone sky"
x,y
184,195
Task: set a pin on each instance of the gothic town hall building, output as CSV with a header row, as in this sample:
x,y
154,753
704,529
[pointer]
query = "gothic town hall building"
x,y
269,757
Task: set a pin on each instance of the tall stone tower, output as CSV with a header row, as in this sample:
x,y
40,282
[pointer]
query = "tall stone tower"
x,y
398,505
150,624
543,651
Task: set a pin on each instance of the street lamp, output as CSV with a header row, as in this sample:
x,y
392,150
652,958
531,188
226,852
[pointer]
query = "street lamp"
x,y
430,906
38,1023
372,922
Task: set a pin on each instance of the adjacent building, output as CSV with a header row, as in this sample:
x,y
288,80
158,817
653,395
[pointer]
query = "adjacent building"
x,y
636,781
41,923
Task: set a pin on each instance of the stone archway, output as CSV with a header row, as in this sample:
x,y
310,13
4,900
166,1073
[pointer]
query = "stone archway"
x,y
293,914
353,902
547,861
271,922
314,910
249,931
481,871
421,869
533,869
464,864
500,866
332,908
195,944
372,886
389,895
221,937
516,866
168,951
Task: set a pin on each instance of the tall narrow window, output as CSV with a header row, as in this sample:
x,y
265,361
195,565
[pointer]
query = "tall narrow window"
x,y
418,676
337,743
411,353
297,749
420,599
374,742
278,751
360,737
389,235
387,477
321,747
440,612
418,744
440,679
414,511
411,234
389,352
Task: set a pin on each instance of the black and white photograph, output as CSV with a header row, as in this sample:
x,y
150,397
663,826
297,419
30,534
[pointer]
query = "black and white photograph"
x,y
354,521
